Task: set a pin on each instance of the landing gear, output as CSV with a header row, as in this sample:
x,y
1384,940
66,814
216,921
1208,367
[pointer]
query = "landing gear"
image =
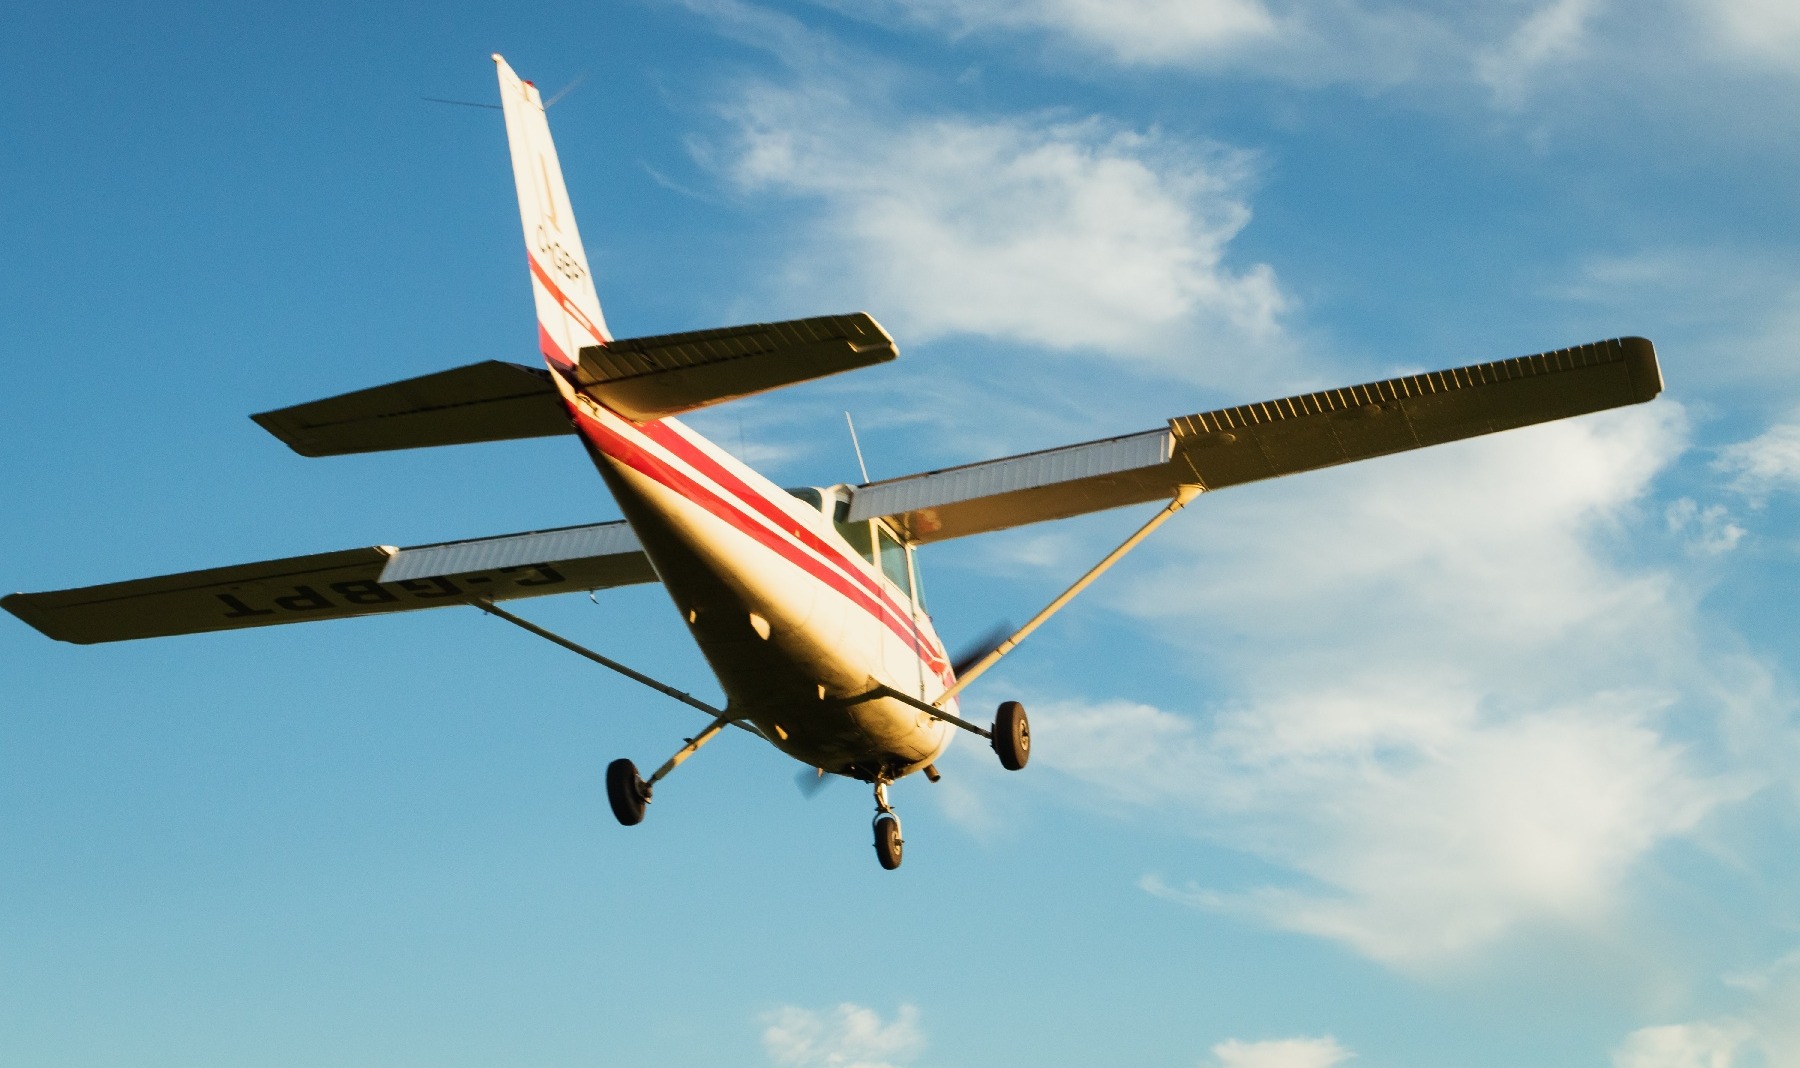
x,y
888,843
889,846
1012,736
627,791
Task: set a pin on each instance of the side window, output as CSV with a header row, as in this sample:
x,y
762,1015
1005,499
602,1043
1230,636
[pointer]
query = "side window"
x,y
857,534
810,496
893,562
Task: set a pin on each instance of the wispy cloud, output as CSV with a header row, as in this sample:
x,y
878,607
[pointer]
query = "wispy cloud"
x,y
1553,34
1705,1045
1440,703
1765,32
1764,1031
1066,234
847,1036
1729,314
1281,1053
1538,54
1150,32
1423,828
1765,464
1709,531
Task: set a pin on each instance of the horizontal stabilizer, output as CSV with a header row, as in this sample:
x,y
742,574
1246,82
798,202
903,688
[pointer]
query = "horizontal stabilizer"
x,y
652,377
491,401
354,582
1251,442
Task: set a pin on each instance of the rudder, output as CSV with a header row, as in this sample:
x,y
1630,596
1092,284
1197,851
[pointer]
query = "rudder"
x,y
568,309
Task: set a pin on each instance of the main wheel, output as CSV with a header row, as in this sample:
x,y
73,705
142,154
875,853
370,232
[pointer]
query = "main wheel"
x,y
1012,736
627,792
888,845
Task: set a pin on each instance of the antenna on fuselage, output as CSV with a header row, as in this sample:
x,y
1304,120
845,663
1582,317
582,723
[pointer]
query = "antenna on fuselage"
x,y
857,445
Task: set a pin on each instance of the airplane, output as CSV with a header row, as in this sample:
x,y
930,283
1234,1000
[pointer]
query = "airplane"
x,y
803,601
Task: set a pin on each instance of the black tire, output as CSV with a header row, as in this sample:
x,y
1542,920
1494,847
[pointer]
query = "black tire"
x,y
888,846
1012,736
627,792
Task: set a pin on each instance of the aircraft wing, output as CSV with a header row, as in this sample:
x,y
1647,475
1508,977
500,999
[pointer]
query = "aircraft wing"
x,y
1257,441
354,582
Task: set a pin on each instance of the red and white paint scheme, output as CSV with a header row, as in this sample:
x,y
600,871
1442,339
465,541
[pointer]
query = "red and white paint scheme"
x,y
792,619
803,601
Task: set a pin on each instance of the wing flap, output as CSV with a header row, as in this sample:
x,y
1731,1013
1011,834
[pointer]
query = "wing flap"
x,y
335,585
1250,442
489,401
652,377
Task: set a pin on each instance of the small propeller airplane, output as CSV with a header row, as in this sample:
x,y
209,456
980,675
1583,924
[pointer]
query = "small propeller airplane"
x,y
804,601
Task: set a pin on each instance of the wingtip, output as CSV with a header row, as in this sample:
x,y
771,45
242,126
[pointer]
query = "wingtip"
x,y
1643,367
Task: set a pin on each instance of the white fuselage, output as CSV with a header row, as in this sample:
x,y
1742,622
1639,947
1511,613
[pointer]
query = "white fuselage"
x,y
797,625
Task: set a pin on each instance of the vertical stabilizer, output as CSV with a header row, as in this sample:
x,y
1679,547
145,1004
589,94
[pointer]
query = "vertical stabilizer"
x,y
568,310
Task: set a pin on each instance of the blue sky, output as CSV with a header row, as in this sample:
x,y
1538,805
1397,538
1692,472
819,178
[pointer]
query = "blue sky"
x,y
1479,756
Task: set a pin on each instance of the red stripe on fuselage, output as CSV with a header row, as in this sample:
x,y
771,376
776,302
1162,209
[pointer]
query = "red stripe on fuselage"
x,y
876,602
696,457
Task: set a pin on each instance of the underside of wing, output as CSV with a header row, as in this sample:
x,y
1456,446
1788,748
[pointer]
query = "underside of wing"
x,y
1251,442
1032,488
353,582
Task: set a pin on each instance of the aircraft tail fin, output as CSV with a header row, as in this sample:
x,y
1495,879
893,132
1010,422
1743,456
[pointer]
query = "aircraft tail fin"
x,y
568,309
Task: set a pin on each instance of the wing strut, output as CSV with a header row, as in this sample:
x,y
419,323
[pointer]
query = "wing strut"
x,y
1182,497
636,676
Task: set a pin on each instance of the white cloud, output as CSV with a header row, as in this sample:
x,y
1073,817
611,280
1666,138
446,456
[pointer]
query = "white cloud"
x,y
1311,43
1764,31
1547,53
1765,464
1765,1031
1152,32
1725,317
1485,548
1423,827
1554,34
848,1036
1447,712
1681,1046
1063,234
1281,1053
1709,531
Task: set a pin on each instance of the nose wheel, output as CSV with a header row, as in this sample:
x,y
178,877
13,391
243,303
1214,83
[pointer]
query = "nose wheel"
x,y
889,846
